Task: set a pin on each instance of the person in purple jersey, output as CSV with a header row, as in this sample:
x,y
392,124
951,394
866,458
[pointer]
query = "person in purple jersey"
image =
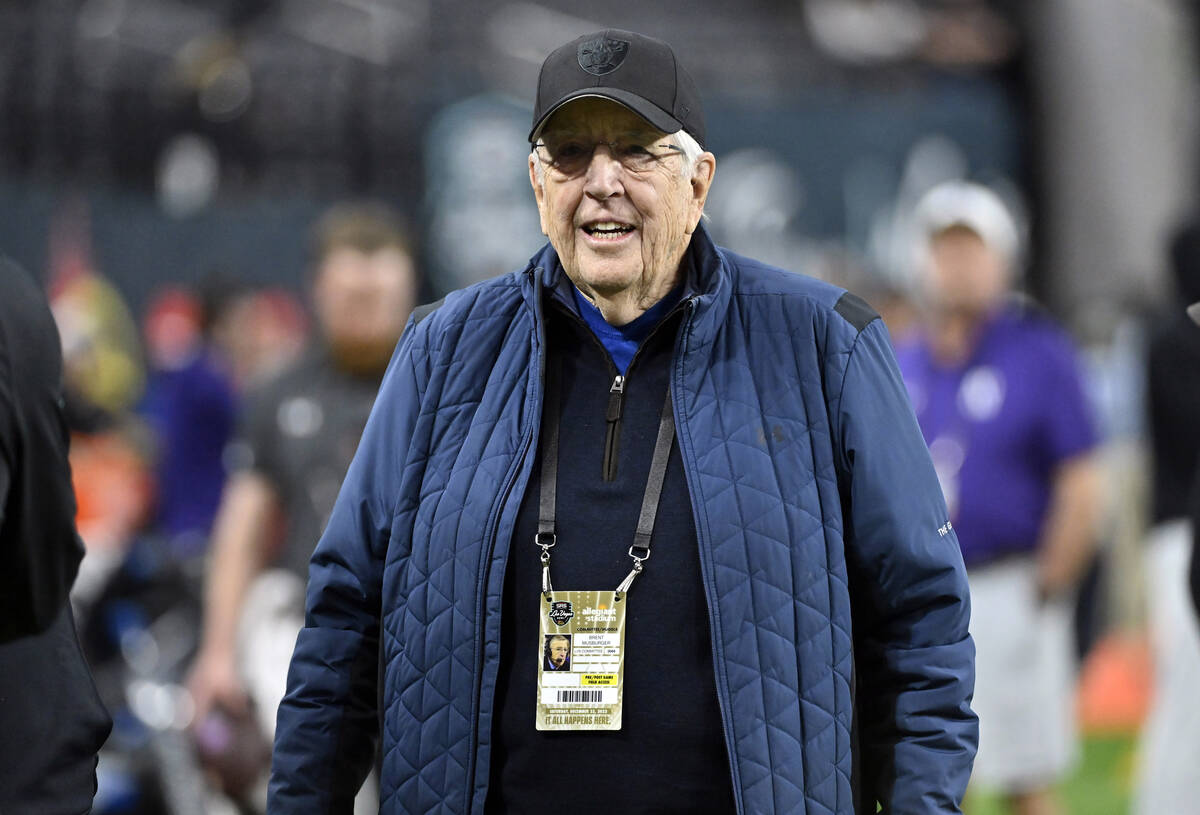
x,y
997,392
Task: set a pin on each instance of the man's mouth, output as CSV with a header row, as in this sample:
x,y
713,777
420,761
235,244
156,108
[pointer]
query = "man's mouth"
x,y
607,229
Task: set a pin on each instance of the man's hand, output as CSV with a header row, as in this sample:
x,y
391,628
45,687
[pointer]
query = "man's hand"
x,y
214,682
1069,536
239,539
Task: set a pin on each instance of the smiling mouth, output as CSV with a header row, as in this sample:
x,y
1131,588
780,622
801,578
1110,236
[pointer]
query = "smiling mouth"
x,y
607,229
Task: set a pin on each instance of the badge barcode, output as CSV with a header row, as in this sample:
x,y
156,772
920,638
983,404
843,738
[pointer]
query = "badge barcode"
x,y
576,696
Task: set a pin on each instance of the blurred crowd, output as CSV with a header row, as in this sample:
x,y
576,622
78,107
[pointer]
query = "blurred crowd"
x,y
208,442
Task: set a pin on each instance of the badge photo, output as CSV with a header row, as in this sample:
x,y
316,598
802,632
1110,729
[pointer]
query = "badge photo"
x,y
557,652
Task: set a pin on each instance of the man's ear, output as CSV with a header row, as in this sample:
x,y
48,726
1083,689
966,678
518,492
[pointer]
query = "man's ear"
x,y
539,193
701,182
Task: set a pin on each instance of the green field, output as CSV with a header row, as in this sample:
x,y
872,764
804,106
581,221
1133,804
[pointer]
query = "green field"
x,y
1099,786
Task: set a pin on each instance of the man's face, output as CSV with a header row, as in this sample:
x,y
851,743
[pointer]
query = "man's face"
x,y
363,300
964,273
559,650
615,230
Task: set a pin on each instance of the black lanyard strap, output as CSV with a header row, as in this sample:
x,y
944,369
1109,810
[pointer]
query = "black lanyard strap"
x,y
654,482
546,537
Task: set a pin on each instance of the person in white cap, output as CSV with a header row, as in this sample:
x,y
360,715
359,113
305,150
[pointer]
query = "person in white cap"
x,y
998,393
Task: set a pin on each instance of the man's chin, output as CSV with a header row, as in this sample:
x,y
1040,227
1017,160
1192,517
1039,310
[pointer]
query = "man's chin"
x,y
606,279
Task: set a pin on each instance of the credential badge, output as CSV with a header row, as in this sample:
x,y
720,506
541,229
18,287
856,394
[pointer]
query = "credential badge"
x,y
602,55
561,612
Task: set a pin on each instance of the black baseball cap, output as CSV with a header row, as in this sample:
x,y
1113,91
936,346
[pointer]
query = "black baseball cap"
x,y
639,72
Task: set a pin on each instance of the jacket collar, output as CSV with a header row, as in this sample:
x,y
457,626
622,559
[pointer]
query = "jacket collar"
x,y
713,284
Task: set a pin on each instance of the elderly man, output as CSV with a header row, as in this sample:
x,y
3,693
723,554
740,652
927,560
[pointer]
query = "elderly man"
x,y
797,643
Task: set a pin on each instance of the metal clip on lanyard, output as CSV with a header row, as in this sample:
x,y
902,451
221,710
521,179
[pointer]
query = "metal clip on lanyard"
x,y
546,538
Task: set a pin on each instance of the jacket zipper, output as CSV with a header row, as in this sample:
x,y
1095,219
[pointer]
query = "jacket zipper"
x,y
720,676
616,401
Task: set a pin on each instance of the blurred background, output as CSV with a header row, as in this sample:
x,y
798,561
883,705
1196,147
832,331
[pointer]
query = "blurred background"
x,y
162,163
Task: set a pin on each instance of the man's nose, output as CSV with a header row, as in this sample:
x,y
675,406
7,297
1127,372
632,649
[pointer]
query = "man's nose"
x,y
604,174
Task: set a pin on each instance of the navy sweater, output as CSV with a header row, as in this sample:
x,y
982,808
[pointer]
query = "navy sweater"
x,y
669,755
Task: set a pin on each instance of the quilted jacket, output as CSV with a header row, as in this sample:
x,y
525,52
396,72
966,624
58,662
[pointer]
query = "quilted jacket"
x,y
837,596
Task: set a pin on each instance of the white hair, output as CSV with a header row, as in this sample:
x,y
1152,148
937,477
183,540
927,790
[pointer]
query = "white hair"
x,y
683,140
691,150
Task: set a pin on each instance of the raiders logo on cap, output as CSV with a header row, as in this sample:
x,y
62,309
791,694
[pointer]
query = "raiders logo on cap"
x,y
602,55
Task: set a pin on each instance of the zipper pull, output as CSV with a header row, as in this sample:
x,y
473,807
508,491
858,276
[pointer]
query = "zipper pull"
x,y
616,395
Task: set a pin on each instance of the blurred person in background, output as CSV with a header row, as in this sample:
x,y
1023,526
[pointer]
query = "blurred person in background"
x,y
298,433
1170,740
264,332
998,392
799,641
102,356
52,722
111,451
191,406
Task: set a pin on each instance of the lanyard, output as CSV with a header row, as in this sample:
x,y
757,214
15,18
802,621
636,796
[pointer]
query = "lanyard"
x,y
546,538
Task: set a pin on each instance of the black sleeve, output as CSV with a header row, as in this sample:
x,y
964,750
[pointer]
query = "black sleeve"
x,y
39,546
